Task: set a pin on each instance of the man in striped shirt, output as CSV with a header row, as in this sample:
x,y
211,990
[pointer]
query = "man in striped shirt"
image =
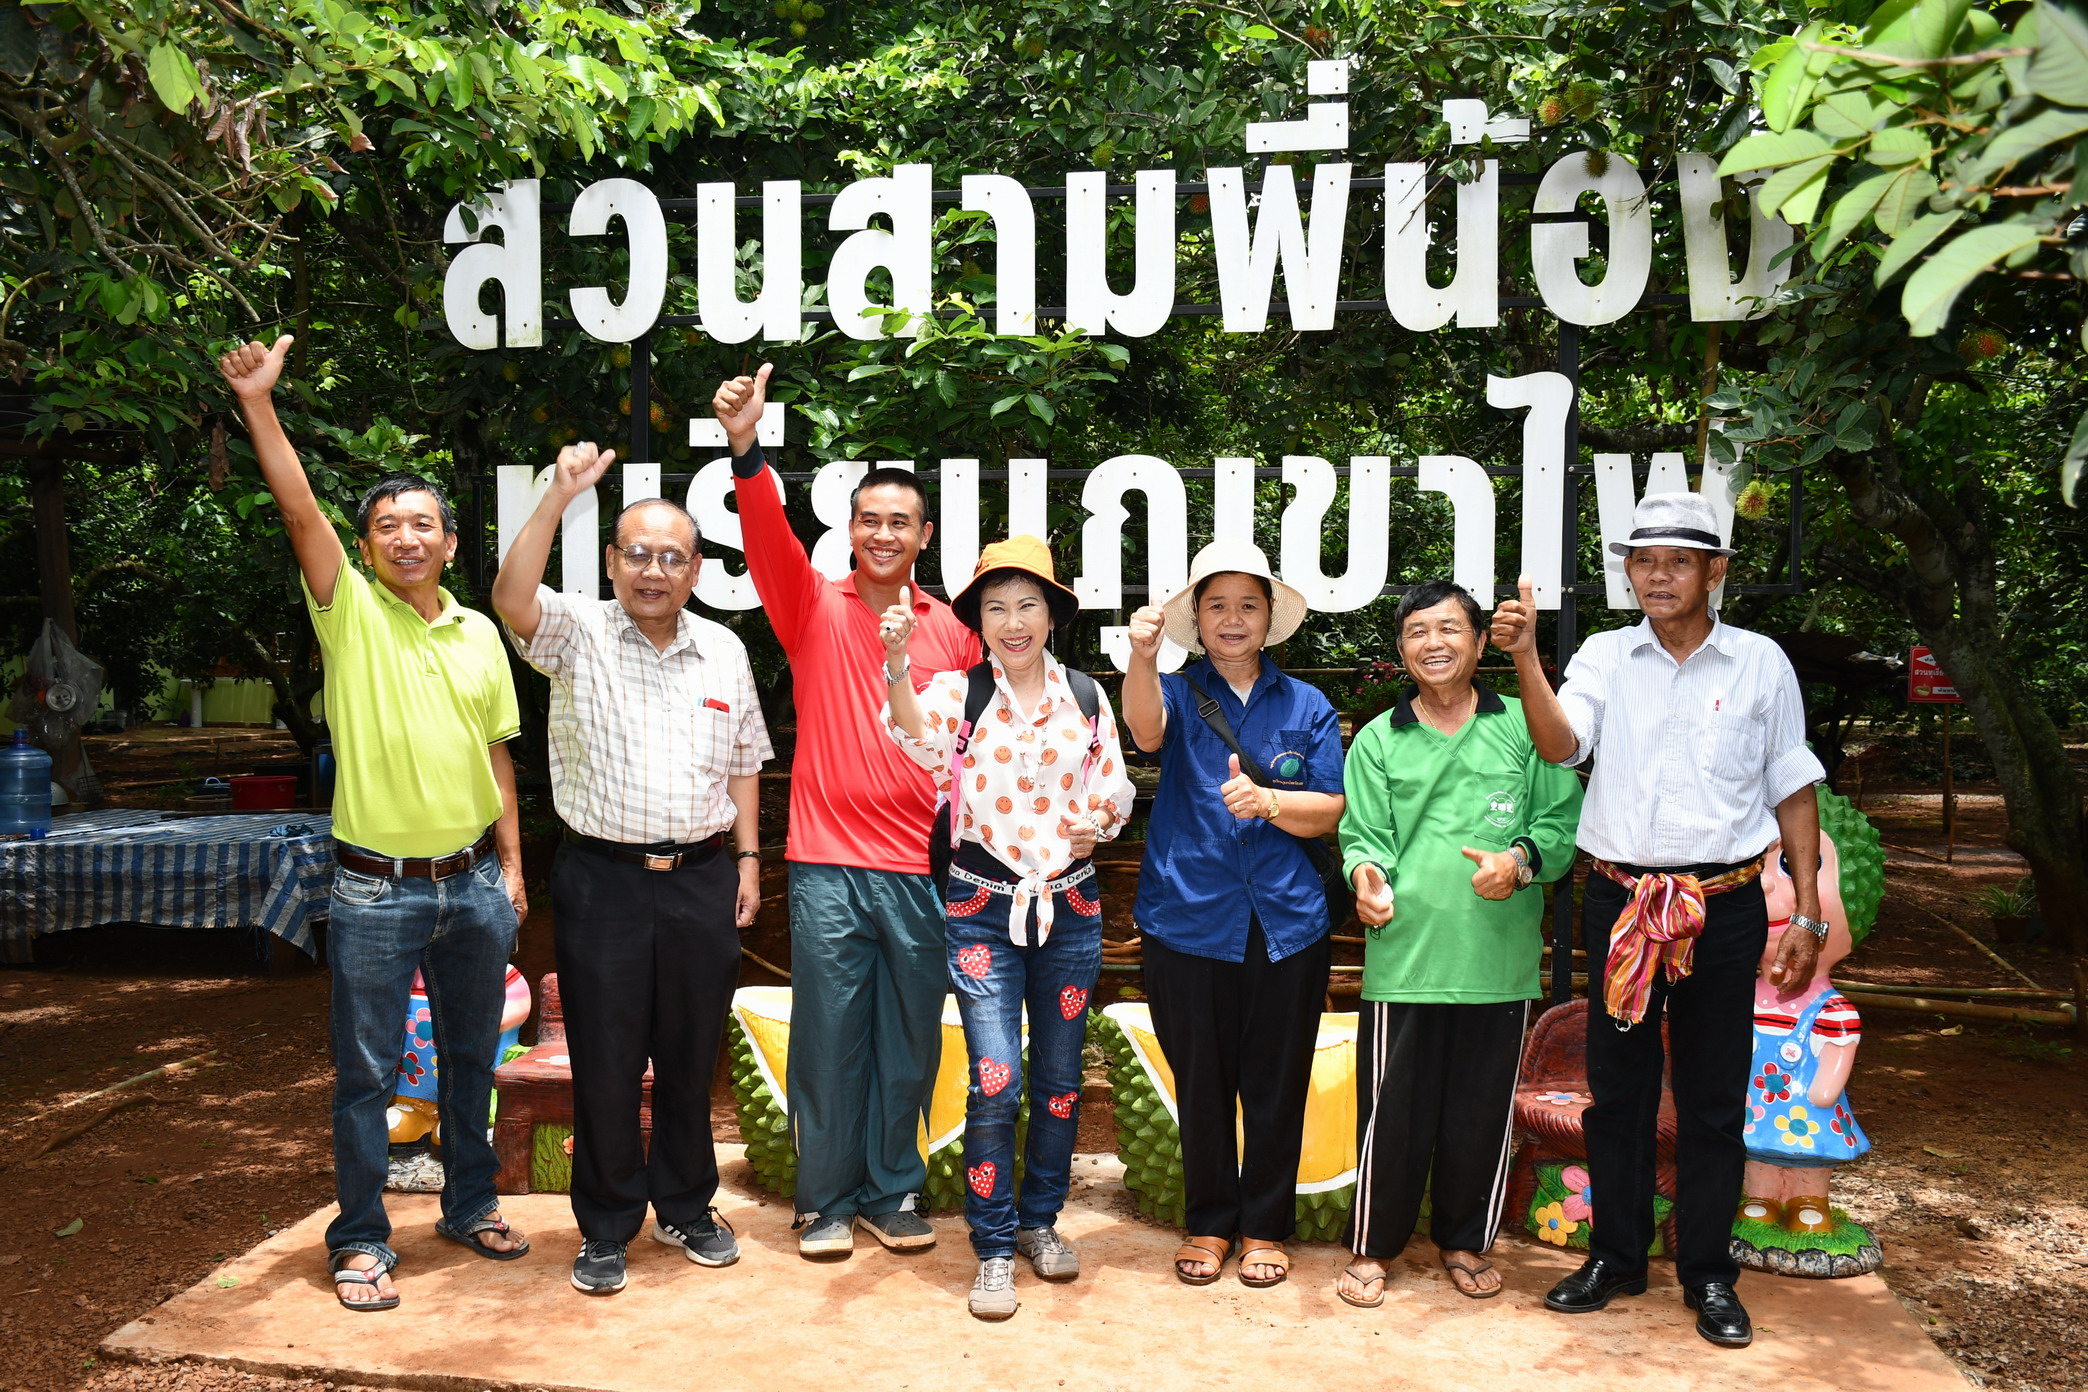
x,y
1698,736
657,743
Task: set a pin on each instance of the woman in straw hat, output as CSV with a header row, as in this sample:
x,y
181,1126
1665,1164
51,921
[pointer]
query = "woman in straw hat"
x,y
1231,908
1025,752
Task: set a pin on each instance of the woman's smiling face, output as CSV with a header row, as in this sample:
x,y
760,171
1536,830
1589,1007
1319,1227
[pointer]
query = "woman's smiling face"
x,y
1232,616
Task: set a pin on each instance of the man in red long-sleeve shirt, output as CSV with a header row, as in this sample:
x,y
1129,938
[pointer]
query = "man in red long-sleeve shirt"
x,y
866,925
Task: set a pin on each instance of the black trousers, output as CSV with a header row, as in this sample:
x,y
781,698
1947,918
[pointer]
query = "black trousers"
x,y
1710,1018
1239,1037
1435,1091
647,963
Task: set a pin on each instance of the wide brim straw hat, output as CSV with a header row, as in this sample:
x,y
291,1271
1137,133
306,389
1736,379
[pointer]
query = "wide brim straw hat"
x,y
1674,519
1286,606
1031,557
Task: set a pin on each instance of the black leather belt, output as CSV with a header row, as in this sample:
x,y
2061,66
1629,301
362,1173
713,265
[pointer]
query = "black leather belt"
x,y
658,856
418,867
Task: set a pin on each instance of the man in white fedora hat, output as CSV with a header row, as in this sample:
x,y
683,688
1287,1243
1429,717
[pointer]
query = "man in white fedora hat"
x,y
1232,906
1698,736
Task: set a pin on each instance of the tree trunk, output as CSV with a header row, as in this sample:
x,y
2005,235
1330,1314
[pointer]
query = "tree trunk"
x,y
54,579
1943,582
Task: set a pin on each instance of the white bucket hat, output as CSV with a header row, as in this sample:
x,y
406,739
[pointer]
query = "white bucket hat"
x,y
1286,609
1674,519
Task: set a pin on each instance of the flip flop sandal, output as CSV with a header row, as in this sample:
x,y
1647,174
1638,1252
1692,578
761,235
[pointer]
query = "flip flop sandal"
x,y
469,1237
1213,1251
1367,1302
1255,1252
1474,1272
349,1276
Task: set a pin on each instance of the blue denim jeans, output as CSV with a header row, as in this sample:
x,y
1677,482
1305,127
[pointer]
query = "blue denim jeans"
x,y
458,932
994,979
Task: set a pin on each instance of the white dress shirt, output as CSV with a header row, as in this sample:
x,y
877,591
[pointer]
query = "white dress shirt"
x,y
1691,758
642,741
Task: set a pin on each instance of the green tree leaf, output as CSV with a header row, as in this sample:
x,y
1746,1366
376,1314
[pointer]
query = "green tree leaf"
x,y
1936,25
173,78
1937,282
1850,210
2059,68
1794,192
1910,242
1904,197
1898,145
1773,151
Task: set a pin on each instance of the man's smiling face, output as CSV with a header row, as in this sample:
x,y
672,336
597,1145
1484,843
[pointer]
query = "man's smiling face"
x,y
406,544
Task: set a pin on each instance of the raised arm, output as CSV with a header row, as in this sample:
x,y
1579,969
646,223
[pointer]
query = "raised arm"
x,y
783,574
515,588
251,372
1515,633
1145,708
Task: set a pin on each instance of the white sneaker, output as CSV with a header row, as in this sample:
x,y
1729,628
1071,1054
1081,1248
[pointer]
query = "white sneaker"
x,y
1048,1253
993,1292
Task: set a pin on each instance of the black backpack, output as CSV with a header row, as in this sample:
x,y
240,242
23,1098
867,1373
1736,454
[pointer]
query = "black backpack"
x,y
978,694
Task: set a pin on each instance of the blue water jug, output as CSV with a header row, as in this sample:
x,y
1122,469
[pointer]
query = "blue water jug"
x,y
25,789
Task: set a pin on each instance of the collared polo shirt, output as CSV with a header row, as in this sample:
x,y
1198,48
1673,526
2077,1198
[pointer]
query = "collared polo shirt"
x,y
1207,874
855,798
643,740
1416,799
1691,758
411,707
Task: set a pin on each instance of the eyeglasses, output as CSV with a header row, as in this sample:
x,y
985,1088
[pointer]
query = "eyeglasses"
x,y
638,560
1415,633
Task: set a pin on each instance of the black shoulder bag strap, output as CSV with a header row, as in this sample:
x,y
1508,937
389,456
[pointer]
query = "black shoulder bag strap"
x,y
1327,865
942,836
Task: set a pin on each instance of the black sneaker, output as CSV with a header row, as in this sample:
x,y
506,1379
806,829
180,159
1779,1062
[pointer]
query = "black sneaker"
x,y
708,1241
902,1230
599,1269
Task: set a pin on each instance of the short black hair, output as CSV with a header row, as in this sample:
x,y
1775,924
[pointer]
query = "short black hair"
x,y
391,486
891,474
1268,590
1427,596
695,532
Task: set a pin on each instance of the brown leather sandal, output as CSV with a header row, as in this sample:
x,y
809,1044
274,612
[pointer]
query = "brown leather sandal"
x,y
1213,1251
1451,1268
1255,1252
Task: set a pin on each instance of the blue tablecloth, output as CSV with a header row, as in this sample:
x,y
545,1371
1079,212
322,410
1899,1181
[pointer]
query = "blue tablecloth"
x,y
124,865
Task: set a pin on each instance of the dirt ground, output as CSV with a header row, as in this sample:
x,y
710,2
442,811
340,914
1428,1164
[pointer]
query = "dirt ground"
x,y
1977,1186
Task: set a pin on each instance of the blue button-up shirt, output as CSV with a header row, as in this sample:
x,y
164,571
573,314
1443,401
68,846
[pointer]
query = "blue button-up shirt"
x,y
1207,874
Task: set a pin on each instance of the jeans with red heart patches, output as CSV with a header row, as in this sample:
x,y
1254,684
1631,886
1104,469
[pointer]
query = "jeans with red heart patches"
x,y
994,979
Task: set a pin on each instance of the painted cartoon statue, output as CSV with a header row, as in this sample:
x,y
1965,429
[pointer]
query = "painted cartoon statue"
x,y
1800,1124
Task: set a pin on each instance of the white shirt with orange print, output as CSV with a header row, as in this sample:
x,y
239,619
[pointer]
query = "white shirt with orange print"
x,y
1021,774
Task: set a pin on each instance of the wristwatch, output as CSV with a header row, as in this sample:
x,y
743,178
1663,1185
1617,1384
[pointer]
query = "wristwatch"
x,y
746,855
1523,873
1275,806
1810,925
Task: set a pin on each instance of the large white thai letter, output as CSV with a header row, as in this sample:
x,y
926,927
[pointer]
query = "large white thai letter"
x,y
1549,396
1368,531
517,263
717,587
1557,247
1472,516
646,285
1473,294
957,538
907,198
1029,512
1248,256
1232,500
1015,248
776,312
1713,293
1101,583
1090,303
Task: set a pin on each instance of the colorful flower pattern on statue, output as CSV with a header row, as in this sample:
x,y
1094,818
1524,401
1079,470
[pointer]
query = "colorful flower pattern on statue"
x,y
1579,1203
1553,1225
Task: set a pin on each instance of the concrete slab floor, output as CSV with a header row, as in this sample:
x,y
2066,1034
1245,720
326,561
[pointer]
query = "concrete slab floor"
x,y
882,1320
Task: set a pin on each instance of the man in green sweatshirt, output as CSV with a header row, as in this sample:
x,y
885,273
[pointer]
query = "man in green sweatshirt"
x,y
1452,818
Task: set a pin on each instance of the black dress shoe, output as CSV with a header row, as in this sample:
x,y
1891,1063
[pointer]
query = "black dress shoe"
x,y
1721,1317
1591,1287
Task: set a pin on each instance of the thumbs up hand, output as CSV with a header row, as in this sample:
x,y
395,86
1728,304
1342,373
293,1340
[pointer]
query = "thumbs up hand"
x,y
1373,896
1514,620
1495,878
896,625
738,405
1243,798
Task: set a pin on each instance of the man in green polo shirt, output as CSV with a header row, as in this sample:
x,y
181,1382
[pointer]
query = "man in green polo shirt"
x,y
420,701
1451,818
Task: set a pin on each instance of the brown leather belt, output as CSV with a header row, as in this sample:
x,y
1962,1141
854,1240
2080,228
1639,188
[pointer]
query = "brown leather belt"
x,y
662,856
419,867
